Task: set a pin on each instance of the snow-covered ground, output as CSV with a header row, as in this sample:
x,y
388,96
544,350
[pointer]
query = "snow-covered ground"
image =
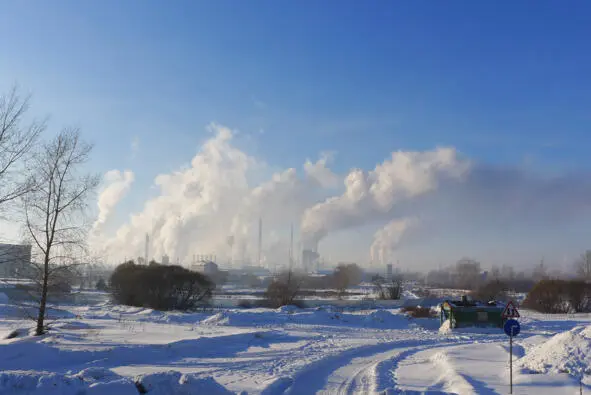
x,y
110,349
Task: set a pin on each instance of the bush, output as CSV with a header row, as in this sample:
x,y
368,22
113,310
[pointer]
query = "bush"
x,y
549,296
245,304
346,275
386,290
579,295
160,287
419,312
101,285
493,290
283,290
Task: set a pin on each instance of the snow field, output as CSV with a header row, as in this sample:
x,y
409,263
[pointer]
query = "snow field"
x,y
110,349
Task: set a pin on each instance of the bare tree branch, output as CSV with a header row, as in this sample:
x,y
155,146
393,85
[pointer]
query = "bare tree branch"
x,y
17,141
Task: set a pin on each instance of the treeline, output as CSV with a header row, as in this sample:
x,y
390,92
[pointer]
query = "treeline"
x,y
560,296
468,274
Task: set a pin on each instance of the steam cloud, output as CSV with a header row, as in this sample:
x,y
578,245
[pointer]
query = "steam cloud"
x,y
201,209
213,205
368,196
386,240
116,186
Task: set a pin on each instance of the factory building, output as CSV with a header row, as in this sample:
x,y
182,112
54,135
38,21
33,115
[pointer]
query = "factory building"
x,y
15,260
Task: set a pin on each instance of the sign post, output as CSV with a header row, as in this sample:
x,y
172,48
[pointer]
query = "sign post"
x,y
511,328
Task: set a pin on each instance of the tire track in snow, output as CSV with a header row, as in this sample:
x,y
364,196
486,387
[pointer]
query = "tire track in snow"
x,y
366,369
378,377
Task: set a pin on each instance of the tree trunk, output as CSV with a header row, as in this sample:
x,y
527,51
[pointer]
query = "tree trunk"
x,y
41,316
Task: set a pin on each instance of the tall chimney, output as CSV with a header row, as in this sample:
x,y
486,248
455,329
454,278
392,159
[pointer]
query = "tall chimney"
x,y
146,249
260,239
291,247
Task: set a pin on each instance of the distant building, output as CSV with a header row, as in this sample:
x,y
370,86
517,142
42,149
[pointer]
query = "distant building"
x,y
208,268
254,270
165,259
389,272
15,260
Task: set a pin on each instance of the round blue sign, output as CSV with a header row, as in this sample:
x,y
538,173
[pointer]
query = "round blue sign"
x,y
512,328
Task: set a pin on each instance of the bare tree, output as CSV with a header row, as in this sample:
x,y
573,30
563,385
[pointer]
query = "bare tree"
x,y
55,208
583,266
17,140
346,275
387,290
284,289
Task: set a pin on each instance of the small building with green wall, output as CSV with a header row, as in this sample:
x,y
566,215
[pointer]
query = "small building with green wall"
x,y
467,313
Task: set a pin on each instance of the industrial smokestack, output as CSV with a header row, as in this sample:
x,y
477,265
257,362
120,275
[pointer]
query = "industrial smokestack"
x,y
231,245
260,239
146,249
291,247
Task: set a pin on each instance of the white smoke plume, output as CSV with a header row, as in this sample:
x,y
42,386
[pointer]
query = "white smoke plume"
x,y
374,194
320,172
202,207
116,184
386,239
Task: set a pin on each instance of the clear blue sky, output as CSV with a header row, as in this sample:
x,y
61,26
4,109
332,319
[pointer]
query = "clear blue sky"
x,y
505,82
502,81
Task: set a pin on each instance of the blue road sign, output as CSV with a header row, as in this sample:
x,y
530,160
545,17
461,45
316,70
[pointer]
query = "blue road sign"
x,y
512,328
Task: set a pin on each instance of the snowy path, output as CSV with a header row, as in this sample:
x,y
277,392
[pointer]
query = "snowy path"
x,y
474,369
432,367
366,370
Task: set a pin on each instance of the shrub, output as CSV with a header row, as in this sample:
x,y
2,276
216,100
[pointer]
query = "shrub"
x,y
346,275
244,303
283,290
492,290
579,296
386,290
548,296
101,285
419,312
160,287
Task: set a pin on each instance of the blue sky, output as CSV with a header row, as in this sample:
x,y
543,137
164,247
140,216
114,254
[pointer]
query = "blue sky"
x,y
505,83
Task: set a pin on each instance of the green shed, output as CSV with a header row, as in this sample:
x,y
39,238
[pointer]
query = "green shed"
x,y
466,312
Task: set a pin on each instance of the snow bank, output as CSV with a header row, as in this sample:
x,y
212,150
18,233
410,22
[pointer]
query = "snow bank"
x,y
319,316
28,382
445,328
567,352
407,294
11,311
100,381
179,384
243,318
387,319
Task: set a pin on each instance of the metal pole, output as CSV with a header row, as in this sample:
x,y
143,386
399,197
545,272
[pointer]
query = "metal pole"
x,y
511,363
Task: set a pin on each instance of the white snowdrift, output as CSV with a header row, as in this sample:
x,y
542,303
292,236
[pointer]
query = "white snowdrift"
x,y
566,352
179,384
320,316
445,328
100,381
